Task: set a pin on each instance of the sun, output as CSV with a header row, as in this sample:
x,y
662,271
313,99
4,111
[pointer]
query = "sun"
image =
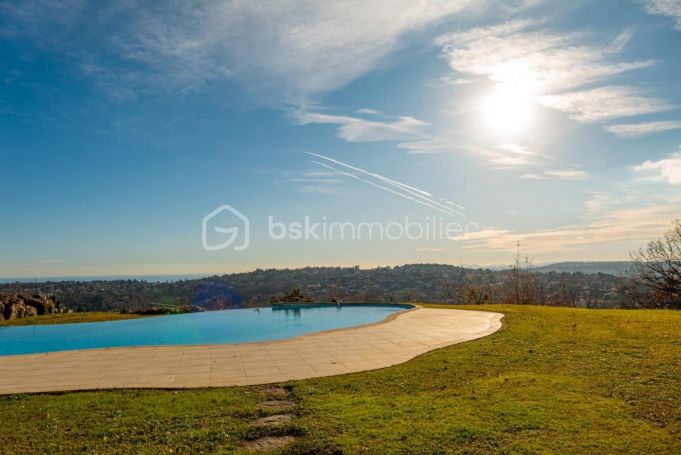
x,y
508,109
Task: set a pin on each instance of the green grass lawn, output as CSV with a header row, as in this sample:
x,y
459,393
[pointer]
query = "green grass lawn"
x,y
67,318
552,380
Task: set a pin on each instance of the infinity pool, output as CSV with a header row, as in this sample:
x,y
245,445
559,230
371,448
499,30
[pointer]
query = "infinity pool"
x,y
213,327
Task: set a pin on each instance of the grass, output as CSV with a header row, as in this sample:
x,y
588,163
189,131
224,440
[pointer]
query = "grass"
x,y
67,318
552,380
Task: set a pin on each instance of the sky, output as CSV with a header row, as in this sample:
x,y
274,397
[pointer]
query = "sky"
x,y
146,137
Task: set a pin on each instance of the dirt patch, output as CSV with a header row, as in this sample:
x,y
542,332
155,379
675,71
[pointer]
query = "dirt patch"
x,y
277,419
268,443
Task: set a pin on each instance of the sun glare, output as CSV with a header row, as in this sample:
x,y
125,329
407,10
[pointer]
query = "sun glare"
x,y
508,109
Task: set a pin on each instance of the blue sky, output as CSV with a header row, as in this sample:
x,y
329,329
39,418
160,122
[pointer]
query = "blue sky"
x,y
536,122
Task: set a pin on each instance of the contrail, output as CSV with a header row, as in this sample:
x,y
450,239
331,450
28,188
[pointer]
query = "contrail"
x,y
413,194
378,176
390,190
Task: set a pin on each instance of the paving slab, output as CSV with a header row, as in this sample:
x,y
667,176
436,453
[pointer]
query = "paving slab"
x,y
392,341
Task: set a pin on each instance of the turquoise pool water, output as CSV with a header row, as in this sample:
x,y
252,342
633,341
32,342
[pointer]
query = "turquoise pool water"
x,y
213,327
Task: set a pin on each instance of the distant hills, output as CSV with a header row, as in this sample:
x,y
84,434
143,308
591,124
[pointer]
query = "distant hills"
x,y
616,268
406,283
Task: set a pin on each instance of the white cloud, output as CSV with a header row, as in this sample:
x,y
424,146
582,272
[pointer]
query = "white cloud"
x,y
435,144
503,156
315,181
665,170
550,67
641,129
567,174
516,149
291,50
483,234
671,8
368,111
604,103
355,129
505,161
636,224
560,174
508,156
547,62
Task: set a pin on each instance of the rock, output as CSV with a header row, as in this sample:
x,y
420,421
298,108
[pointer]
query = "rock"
x,y
277,404
268,443
13,306
271,421
43,305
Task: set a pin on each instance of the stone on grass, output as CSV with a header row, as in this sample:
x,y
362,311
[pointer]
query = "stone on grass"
x,y
270,421
277,404
268,443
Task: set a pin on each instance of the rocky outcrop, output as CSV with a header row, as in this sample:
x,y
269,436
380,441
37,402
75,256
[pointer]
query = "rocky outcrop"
x,y
14,306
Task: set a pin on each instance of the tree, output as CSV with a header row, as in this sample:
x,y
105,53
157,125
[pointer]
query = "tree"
x,y
656,271
520,285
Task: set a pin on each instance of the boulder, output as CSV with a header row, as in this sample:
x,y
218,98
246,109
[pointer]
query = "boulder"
x,y
13,306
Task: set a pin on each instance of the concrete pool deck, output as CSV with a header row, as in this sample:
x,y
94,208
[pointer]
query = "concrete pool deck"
x,y
390,342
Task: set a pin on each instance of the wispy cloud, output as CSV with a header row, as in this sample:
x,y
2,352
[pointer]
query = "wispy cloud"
x,y
548,62
395,187
560,174
643,187
641,129
510,155
356,129
434,144
605,103
671,8
637,224
292,50
665,170
368,111
315,181
552,67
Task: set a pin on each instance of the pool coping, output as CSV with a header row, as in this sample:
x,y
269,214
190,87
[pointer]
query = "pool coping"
x,y
396,339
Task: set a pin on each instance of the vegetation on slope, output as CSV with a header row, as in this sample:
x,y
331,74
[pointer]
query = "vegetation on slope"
x,y
67,318
552,380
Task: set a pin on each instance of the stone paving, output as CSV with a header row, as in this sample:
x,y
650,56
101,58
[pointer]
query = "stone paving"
x,y
369,347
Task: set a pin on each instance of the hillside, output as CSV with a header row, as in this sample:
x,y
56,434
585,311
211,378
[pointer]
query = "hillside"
x,y
615,268
436,283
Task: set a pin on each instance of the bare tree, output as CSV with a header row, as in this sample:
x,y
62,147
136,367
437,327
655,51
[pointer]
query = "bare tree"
x,y
656,271
521,285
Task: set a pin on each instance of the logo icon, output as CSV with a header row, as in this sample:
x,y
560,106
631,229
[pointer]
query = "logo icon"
x,y
237,223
